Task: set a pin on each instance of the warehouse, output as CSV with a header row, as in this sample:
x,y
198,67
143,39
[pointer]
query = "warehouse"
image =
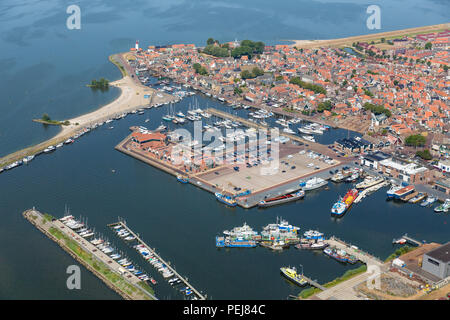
x,y
437,261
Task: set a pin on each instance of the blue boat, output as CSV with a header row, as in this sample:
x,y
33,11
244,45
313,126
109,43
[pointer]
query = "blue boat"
x,y
182,180
229,201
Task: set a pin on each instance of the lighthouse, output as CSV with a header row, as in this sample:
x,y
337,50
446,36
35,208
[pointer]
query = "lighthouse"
x,y
137,45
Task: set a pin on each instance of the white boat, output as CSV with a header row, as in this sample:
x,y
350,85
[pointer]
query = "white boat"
x,y
49,149
428,201
369,181
28,159
309,138
313,183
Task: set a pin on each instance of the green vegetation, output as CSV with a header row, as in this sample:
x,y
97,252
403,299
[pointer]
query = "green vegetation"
x,y
101,84
251,74
248,48
200,69
118,65
326,105
424,154
376,109
428,45
45,119
216,51
238,91
415,140
309,86
399,252
372,72
347,275
367,92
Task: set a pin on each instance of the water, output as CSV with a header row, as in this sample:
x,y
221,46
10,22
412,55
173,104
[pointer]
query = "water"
x,y
44,70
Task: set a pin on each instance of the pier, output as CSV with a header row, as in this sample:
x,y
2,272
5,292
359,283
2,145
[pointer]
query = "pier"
x,y
367,191
359,254
314,283
411,240
185,281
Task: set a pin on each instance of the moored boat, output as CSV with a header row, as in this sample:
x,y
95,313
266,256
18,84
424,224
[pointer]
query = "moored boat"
x,y
229,201
403,191
291,274
282,199
443,207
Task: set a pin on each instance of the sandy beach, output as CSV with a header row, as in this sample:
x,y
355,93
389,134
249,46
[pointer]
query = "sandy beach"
x,y
131,98
307,44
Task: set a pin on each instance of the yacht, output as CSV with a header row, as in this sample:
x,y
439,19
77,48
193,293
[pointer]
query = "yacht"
x,y
313,183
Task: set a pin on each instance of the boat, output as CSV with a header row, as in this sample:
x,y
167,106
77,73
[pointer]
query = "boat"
x,y
403,191
238,242
331,252
245,231
49,149
182,179
282,199
309,138
420,196
291,274
443,207
391,192
341,206
27,159
428,201
369,181
226,199
310,244
313,183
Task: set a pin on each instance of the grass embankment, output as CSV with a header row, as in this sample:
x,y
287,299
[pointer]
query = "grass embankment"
x,y
99,266
118,65
399,252
347,275
53,122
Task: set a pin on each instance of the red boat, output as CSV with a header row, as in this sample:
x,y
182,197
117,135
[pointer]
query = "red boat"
x,y
282,199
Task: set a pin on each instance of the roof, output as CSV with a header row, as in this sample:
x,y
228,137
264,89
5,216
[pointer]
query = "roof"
x,y
441,253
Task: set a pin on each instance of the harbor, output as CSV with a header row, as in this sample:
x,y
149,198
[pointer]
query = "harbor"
x,y
148,253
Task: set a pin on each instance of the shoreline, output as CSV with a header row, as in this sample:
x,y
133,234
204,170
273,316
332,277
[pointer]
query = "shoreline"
x,y
131,98
339,42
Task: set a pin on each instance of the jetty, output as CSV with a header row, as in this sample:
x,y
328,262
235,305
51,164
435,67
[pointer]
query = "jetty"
x,y
123,282
370,190
152,251
314,283
361,255
409,196
411,240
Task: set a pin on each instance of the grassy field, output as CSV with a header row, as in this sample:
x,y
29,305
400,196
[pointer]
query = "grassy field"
x,y
304,294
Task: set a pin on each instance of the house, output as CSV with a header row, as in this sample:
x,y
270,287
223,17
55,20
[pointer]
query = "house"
x,y
407,172
372,160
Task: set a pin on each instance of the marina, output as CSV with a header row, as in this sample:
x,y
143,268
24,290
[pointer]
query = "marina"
x,y
159,263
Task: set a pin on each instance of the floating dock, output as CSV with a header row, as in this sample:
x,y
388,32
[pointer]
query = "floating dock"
x,y
196,292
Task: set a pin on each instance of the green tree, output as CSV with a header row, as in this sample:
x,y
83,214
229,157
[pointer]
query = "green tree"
x,y
415,140
424,154
428,45
210,41
45,117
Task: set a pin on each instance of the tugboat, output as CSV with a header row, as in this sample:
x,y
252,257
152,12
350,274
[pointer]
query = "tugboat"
x,y
343,204
282,199
291,274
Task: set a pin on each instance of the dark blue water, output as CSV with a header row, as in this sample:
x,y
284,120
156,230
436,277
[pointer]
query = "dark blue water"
x,y
44,70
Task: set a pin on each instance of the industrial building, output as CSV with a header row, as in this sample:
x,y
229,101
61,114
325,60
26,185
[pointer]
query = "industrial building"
x,y
437,261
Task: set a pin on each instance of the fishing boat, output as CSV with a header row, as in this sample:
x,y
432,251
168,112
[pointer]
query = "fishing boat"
x,y
309,244
291,274
443,207
344,203
403,192
235,242
391,192
229,201
313,183
244,231
282,199
331,252
428,201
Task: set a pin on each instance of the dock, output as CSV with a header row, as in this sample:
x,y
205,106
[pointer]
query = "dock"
x,y
412,240
152,251
361,255
314,283
367,191
409,196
